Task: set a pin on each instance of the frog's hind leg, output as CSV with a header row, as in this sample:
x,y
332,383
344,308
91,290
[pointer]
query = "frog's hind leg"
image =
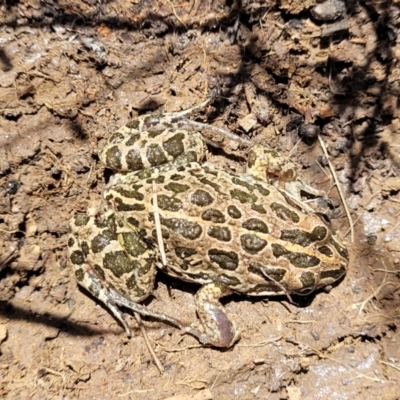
x,y
219,329
113,264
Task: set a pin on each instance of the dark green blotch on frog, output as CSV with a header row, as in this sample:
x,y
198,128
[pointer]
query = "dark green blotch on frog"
x,y
134,124
116,137
177,187
164,233
225,259
121,206
340,249
252,244
234,212
250,187
118,263
212,184
299,260
183,253
100,272
106,222
325,250
273,274
284,213
102,240
227,280
113,158
132,139
77,257
335,274
134,160
303,238
176,177
85,247
255,224
133,222
133,245
160,179
174,145
81,219
94,290
155,155
168,203
79,274
201,198
187,229
222,234
307,278
263,191
209,170
259,208
134,288
71,241
213,215
130,194
243,197
153,133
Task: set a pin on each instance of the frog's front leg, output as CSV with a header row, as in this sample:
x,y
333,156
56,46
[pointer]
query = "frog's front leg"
x,y
113,264
280,171
219,329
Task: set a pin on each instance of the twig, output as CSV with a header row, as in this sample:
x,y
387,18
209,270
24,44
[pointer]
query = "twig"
x,y
339,187
158,227
148,344
374,293
395,366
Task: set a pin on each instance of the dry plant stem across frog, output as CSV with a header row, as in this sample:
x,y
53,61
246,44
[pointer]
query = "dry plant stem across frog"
x,y
225,231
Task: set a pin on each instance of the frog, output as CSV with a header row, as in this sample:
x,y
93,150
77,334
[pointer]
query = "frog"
x,y
167,208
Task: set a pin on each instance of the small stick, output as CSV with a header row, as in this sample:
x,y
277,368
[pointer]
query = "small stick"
x,y
158,227
339,187
148,344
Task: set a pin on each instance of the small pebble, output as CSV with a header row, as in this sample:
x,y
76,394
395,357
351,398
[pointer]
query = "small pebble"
x,y
329,10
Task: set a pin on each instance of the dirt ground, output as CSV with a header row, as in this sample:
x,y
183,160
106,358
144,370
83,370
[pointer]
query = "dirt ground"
x,y
74,71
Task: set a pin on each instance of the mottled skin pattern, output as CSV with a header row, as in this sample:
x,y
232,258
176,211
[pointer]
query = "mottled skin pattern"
x,y
224,231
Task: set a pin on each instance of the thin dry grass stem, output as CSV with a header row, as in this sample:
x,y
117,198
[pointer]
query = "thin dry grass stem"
x,y
262,343
294,148
395,366
339,187
176,15
53,372
148,344
50,153
354,224
90,173
215,380
189,383
311,321
328,176
393,200
392,228
280,286
384,270
158,227
373,295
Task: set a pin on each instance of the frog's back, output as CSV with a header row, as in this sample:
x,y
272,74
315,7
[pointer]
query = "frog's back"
x,y
231,229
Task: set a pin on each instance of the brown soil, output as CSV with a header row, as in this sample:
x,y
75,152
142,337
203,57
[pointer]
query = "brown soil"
x,y
74,71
